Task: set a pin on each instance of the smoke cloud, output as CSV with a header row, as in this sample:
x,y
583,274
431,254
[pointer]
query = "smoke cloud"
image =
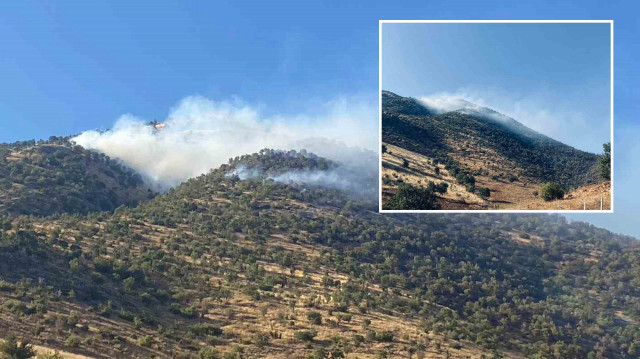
x,y
447,103
541,111
358,181
201,134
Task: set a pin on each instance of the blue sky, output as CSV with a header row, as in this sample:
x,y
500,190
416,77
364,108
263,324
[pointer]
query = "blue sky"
x,y
70,66
554,78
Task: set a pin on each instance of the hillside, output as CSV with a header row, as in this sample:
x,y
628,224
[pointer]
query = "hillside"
x,y
47,177
521,193
480,141
252,267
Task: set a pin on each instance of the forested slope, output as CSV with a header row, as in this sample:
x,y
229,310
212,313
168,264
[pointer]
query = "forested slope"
x,y
55,176
441,135
258,268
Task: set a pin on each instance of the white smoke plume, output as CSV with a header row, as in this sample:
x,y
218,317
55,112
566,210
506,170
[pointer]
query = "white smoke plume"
x,y
358,181
540,110
201,134
446,103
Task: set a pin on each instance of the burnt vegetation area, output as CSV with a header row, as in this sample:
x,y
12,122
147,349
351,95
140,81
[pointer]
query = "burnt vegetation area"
x,y
539,157
163,277
55,176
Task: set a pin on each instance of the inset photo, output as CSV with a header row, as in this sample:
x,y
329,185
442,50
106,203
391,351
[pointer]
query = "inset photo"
x,y
499,116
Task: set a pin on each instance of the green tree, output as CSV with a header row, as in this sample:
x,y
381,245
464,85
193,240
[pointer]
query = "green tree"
x,y
604,162
484,192
412,197
12,349
551,191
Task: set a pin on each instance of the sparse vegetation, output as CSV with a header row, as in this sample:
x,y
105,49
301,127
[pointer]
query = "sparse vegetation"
x,y
484,192
226,263
46,177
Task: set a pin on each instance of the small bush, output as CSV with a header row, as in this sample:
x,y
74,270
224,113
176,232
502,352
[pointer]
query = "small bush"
x,y
305,335
412,197
206,329
484,192
314,318
385,336
209,353
72,341
551,191
145,341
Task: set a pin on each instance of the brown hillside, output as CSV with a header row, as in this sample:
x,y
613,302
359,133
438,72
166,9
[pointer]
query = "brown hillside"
x,y
505,195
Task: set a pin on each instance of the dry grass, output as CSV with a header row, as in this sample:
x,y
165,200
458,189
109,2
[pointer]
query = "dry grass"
x,y
505,195
420,171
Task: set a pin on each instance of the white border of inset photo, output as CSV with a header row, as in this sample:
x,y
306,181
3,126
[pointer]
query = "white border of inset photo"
x,y
380,22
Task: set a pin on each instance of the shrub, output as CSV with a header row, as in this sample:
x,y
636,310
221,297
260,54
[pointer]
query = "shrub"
x,y
72,341
385,336
11,349
209,353
484,192
188,312
405,163
206,329
260,339
512,178
551,191
15,306
314,318
438,188
412,197
305,335
6,286
145,341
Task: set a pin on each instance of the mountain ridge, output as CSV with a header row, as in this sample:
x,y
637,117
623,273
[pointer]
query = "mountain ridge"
x,y
455,135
